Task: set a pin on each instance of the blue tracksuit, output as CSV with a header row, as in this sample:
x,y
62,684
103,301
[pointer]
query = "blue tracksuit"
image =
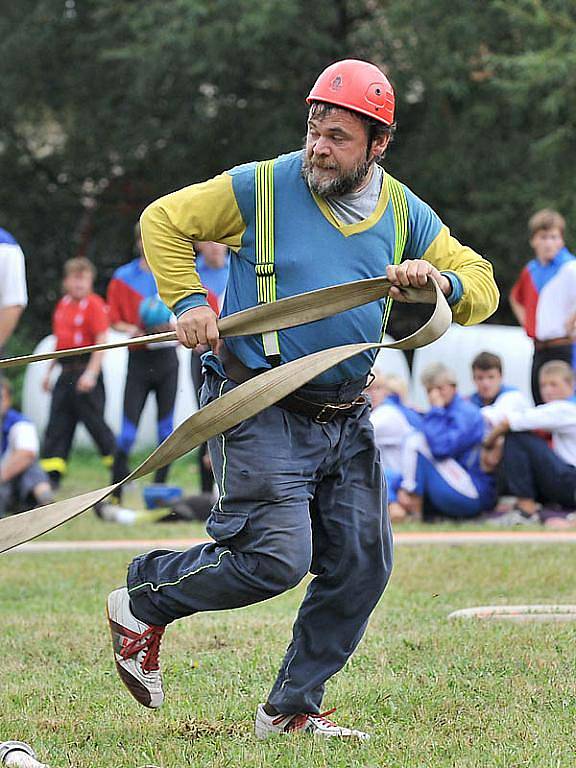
x,y
455,432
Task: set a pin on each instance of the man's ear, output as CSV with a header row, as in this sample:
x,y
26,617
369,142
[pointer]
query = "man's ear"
x,y
379,146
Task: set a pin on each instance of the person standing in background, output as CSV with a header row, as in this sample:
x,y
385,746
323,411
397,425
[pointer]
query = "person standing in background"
x,y
13,292
544,296
80,320
212,260
135,308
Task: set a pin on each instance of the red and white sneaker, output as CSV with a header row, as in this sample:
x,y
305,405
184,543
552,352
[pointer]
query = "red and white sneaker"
x,y
136,648
316,725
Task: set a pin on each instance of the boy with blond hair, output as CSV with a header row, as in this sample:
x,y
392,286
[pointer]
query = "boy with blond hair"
x,y
392,421
80,320
533,472
544,296
444,471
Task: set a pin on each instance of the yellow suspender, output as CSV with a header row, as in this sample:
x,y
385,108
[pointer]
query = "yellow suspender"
x,y
264,267
400,211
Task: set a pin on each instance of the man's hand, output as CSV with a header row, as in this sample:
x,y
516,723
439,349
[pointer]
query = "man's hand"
x,y
414,273
198,326
499,430
86,382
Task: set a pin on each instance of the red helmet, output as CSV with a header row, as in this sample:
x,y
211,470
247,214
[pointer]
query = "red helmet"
x,y
356,85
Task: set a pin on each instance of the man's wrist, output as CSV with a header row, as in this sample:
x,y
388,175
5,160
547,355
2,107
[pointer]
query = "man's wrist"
x,y
190,302
455,287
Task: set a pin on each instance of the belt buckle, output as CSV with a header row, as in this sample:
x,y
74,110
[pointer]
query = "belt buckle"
x,y
329,411
326,413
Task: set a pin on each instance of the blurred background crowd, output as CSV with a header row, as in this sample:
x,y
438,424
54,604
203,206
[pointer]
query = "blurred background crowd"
x,y
108,105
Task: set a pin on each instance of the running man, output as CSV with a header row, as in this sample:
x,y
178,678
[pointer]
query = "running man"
x,y
300,484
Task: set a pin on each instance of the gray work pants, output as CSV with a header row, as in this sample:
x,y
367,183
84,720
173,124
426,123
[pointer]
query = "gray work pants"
x,y
295,496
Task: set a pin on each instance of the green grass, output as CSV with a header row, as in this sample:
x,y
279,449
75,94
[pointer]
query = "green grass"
x,y
434,693
86,472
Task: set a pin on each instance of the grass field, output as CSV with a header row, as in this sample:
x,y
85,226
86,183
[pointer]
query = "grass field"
x,y
433,693
86,472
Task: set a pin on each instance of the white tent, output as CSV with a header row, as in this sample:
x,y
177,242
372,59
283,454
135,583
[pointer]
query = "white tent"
x,y
460,345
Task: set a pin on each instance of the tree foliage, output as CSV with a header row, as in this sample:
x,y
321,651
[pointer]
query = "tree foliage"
x,y
107,104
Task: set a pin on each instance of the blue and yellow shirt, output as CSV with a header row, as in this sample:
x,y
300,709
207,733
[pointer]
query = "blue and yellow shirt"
x,y
312,250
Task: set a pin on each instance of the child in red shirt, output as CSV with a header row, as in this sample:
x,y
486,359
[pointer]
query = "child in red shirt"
x,y
80,319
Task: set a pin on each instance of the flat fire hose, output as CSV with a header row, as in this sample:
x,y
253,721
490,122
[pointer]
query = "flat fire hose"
x,y
247,399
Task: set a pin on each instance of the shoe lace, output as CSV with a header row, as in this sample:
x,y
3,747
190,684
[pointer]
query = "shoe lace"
x,y
149,641
298,722
322,717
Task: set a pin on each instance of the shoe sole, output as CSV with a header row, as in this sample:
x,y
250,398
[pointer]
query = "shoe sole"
x,y
134,686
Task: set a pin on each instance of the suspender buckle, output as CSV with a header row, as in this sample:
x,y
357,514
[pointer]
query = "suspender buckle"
x,y
264,268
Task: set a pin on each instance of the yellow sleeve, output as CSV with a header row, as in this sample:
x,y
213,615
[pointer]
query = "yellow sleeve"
x,y
171,224
480,295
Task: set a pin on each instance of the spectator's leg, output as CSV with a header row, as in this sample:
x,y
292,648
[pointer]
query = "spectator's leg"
x,y
91,414
393,480
449,487
414,445
61,426
537,363
165,387
33,488
6,496
136,391
410,491
533,471
206,474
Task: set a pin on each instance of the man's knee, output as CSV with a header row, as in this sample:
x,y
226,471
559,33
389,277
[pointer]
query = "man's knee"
x,y
285,570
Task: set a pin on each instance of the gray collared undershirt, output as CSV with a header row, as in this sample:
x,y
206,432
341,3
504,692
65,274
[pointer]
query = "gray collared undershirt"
x,y
357,206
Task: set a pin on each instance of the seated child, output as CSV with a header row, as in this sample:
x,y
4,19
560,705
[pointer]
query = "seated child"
x,y
23,484
531,470
444,471
495,399
393,421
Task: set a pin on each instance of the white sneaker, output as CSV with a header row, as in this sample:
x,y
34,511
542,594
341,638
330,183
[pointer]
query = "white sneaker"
x,y
136,648
515,517
18,754
114,513
316,725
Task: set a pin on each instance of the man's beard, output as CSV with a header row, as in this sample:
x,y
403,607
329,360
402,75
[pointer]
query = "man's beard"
x,y
341,184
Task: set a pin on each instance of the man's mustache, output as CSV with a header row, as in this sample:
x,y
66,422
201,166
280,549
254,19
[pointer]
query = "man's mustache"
x,y
324,166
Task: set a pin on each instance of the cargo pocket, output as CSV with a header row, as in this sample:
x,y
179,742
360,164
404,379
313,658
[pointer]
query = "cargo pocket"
x,y
223,526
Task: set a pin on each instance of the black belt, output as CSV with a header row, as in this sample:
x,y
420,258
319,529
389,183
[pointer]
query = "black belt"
x,y
564,341
75,362
321,412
